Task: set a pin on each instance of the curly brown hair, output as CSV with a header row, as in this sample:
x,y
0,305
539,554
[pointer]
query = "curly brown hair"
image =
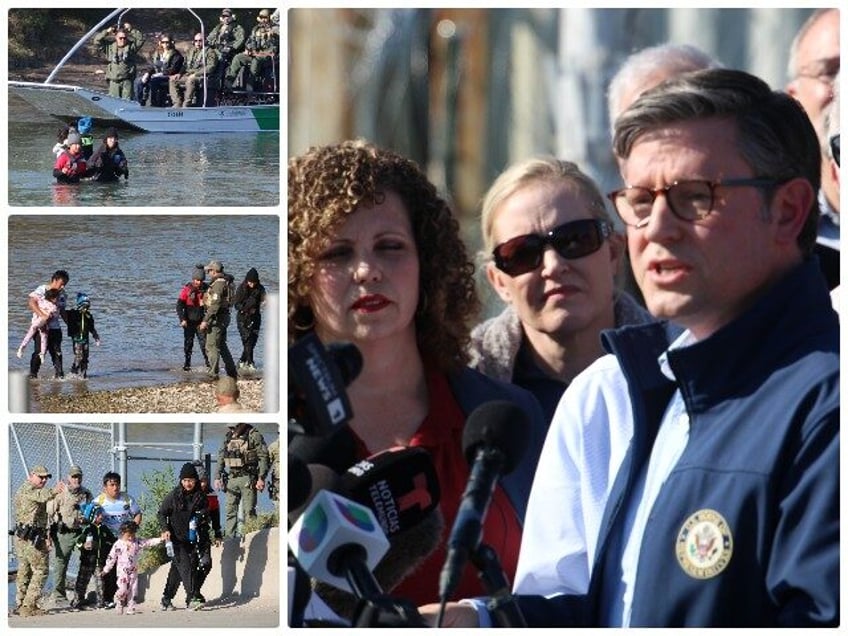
x,y
326,184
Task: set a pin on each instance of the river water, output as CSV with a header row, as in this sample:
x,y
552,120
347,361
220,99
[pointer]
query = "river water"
x,y
132,267
211,170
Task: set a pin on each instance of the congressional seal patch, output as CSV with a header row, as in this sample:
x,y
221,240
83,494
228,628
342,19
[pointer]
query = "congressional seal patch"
x,y
704,545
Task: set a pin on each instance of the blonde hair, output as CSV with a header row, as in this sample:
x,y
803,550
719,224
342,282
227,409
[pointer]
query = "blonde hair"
x,y
540,169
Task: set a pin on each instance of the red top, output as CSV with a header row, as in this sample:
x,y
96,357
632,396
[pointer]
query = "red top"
x,y
441,434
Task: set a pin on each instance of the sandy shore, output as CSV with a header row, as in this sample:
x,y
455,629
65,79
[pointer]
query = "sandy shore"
x,y
184,397
243,591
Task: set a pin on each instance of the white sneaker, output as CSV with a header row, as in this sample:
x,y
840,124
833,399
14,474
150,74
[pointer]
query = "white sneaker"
x,y
41,356
20,352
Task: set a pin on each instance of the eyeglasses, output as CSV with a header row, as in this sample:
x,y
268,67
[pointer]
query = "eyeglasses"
x,y
690,200
575,239
824,71
834,149
199,40
165,42
121,37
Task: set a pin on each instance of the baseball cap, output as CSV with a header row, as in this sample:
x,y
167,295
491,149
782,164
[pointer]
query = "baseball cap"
x,y
226,12
41,471
227,386
75,471
214,266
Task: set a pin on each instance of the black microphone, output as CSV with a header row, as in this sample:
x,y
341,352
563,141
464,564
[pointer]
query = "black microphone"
x,y
336,450
318,375
401,487
300,482
493,441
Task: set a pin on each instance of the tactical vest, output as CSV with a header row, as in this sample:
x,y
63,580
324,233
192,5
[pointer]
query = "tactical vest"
x,y
239,455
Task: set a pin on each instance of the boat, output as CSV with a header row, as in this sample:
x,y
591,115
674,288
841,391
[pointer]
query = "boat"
x,y
236,111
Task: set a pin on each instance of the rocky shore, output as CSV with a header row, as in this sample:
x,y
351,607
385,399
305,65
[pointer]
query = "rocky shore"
x,y
184,397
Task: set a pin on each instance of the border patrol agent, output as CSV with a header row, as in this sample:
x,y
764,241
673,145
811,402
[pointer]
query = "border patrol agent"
x,y
241,469
32,541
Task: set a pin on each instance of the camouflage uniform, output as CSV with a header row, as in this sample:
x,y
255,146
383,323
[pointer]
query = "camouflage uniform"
x,y
32,547
217,300
66,514
274,473
261,51
239,468
193,77
121,69
227,40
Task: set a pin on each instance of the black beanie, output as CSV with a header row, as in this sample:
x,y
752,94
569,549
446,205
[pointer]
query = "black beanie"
x,y
188,470
252,275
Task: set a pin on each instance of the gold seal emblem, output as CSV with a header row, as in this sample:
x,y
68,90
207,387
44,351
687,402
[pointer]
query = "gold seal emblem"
x,y
704,545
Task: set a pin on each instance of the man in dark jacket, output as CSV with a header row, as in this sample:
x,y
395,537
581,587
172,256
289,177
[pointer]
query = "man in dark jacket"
x,y
183,521
724,511
250,295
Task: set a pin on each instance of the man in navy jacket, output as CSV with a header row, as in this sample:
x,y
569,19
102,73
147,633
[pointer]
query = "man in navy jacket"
x,y
725,509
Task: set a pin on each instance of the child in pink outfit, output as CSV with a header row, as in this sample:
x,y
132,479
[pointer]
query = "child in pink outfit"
x,y
124,558
39,322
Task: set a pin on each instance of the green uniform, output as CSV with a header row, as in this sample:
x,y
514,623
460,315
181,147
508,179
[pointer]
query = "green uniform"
x,y
67,520
242,460
217,300
121,68
274,473
193,76
261,51
31,543
227,40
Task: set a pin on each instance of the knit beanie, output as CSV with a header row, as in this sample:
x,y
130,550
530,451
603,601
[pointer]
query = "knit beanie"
x,y
73,138
252,276
188,471
199,273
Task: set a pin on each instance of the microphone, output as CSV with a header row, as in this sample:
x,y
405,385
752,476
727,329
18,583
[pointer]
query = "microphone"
x,y
300,482
401,487
339,541
318,376
336,450
494,440
320,478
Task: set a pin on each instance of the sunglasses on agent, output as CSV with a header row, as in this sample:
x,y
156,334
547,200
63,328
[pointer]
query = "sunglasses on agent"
x,y
572,240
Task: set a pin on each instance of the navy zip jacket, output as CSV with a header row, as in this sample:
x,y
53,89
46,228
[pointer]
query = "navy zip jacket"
x,y
745,531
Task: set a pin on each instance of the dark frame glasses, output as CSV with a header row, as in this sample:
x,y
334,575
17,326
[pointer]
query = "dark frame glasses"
x,y
834,148
572,240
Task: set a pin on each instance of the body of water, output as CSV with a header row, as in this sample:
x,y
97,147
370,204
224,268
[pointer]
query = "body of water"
x,y
132,267
220,169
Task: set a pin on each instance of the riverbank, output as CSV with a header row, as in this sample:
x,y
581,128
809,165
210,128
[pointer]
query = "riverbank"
x,y
183,397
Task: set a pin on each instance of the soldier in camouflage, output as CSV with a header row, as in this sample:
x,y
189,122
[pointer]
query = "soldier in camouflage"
x,y
32,539
241,469
65,512
217,300
274,473
121,46
260,52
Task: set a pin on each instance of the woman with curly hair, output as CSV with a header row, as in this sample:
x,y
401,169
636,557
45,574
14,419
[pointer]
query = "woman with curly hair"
x,y
375,258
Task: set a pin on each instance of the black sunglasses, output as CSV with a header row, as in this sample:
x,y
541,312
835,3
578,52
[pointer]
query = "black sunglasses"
x,y
572,240
834,149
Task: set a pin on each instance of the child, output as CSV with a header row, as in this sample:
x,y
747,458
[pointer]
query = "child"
x,y
124,558
70,164
94,542
80,325
62,139
39,322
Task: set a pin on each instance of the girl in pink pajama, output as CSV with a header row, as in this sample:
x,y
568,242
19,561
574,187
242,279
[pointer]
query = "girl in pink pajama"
x,y
124,558
48,306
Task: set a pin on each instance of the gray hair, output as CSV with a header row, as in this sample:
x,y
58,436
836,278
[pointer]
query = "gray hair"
x,y
792,64
774,134
648,67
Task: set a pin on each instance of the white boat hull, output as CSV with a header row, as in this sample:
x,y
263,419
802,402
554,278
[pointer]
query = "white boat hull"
x,y
69,102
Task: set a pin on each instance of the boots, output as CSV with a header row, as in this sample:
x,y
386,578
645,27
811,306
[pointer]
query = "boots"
x,y
187,365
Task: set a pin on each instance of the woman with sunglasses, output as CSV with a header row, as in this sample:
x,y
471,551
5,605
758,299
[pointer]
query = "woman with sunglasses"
x,y
552,255
375,259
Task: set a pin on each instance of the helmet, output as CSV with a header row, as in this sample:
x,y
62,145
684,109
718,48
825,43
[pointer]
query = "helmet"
x,y
83,300
84,125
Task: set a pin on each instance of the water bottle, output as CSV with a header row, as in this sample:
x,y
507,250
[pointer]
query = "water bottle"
x,y
169,549
192,530
89,541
